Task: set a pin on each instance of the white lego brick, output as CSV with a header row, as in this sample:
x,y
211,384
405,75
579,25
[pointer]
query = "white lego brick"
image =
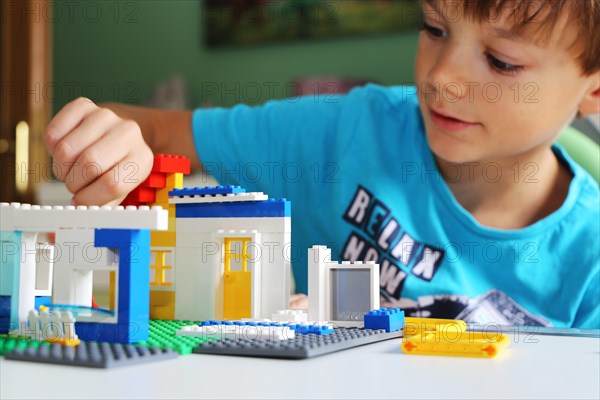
x,y
197,286
318,257
219,198
262,225
276,272
27,276
25,217
222,332
289,316
44,269
319,284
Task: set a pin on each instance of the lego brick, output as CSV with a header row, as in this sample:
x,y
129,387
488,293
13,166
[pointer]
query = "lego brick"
x,y
302,346
251,209
414,326
208,191
174,181
209,225
304,328
340,292
289,316
218,198
458,344
44,301
388,319
163,239
169,164
5,306
9,343
156,180
162,335
133,301
44,269
236,331
25,217
141,195
58,327
91,354
162,312
162,196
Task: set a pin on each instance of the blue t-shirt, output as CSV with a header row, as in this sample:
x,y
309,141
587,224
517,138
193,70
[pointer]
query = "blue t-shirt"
x,y
363,181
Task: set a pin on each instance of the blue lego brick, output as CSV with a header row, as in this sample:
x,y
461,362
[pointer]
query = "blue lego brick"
x,y
91,354
302,346
389,319
5,306
4,325
208,190
242,209
133,303
45,301
311,329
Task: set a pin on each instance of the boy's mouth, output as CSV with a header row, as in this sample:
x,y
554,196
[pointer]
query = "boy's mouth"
x,y
448,122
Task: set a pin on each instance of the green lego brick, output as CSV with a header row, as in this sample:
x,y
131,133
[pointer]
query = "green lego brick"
x,y
9,342
162,335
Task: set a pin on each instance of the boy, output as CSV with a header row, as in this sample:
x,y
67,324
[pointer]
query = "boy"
x,y
453,187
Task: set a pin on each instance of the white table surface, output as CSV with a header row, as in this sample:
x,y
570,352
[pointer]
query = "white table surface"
x,y
539,366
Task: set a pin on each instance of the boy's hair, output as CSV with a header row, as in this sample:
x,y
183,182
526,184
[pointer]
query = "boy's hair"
x,y
541,16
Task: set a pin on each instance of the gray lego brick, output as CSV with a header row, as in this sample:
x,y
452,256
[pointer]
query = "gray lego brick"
x,y
91,354
302,346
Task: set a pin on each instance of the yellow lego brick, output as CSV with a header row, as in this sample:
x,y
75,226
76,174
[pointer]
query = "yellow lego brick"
x,y
162,239
112,285
461,344
175,181
414,326
162,196
162,305
237,286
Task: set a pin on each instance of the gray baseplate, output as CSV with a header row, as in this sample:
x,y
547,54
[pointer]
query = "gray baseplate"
x,y
91,354
302,346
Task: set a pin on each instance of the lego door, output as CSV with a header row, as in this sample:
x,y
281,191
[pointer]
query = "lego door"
x,y
237,284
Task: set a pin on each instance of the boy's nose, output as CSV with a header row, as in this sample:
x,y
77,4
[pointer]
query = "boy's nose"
x,y
448,75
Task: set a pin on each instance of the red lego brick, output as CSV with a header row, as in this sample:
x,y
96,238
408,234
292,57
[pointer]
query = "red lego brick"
x,y
169,164
156,180
140,196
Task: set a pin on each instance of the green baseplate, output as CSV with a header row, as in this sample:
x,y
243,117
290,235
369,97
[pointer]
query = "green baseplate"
x,y
162,335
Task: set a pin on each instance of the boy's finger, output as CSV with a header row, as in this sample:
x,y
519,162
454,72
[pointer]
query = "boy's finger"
x,y
66,120
69,149
100,157
114,185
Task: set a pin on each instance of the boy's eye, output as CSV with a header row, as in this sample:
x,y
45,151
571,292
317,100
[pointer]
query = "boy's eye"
x,y
433,31
502,66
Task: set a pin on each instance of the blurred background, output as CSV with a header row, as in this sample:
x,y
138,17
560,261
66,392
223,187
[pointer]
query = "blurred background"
x,y
182,54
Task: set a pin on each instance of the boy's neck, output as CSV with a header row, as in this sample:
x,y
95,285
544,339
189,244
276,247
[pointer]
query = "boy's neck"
x,y
509,194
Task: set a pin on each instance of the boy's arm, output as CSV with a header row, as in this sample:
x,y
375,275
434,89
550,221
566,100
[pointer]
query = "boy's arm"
x,y
165,131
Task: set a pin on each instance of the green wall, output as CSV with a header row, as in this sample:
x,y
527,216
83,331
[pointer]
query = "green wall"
x,y
117,51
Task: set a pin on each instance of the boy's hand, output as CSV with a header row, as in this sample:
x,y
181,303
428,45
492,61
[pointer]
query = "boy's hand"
x,y
98,155
299,301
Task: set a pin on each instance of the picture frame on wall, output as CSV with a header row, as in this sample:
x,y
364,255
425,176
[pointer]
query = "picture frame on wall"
x,y
241,23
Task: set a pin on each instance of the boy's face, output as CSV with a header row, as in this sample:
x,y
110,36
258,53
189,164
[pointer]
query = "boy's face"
x,y
488,96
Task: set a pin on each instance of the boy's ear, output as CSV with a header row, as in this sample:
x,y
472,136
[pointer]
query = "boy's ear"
x,y
591,102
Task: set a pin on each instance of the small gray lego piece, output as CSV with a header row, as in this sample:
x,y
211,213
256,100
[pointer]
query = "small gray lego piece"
x,y
91,354
302,346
